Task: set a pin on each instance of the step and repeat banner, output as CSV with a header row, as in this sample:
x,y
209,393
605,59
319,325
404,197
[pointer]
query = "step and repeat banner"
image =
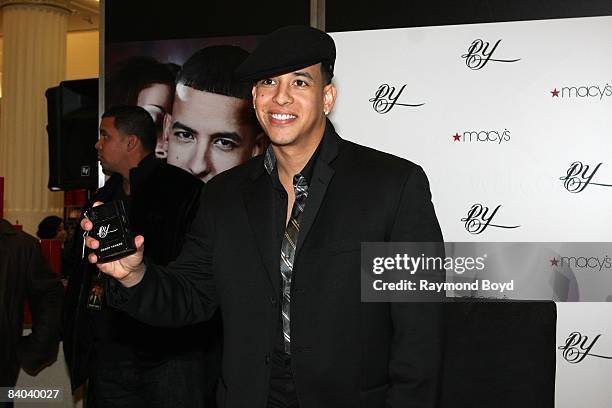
x,y
512,123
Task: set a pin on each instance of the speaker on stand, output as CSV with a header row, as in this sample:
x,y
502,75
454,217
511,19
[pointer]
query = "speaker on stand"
x,y
72,127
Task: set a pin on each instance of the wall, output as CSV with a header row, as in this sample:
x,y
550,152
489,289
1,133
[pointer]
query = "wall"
x,y
82,54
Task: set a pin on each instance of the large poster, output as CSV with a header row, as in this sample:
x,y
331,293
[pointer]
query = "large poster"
x,y
205,122
512,123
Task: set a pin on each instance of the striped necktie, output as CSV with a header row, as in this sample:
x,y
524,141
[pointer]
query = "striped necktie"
x,y
288,246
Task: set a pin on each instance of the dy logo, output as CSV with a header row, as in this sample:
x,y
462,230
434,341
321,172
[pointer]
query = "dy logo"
x,y
479,219
577,347
104,231
480,53
386,97
579,176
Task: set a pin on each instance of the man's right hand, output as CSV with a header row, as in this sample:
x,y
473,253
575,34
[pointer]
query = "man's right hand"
x,y
128,270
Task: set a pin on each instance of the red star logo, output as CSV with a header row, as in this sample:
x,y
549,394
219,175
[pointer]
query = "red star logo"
x,y
456,137
555,93
554,262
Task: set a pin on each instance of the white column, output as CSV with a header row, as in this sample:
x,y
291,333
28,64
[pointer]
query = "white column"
x,y
34,59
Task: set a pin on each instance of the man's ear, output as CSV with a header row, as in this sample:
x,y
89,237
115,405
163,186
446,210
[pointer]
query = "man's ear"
x,y
329,98
166,132
167,123
261,144
132,142
254,95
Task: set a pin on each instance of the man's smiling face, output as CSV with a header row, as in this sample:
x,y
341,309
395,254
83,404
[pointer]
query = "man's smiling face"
x,y
291,107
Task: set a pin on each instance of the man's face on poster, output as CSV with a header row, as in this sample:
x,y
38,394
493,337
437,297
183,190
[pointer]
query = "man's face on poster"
x,y
209,133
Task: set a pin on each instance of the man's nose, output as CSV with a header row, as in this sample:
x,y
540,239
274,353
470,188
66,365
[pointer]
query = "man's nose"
x,y
98,144
283,95
200,165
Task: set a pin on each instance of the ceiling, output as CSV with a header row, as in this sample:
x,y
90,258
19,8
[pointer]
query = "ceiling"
x,y
85,15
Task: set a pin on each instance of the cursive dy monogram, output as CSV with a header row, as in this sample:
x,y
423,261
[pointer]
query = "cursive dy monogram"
x,y
104,231
478,219
577,347
578,177
479,54
386,97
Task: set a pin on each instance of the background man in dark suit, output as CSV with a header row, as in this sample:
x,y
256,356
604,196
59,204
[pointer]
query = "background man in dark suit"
x,y
276,244
26,276
127,363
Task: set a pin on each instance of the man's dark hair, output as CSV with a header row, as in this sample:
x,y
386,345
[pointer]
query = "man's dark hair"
x,y
47,229
211,69
132,75
325,74
134,120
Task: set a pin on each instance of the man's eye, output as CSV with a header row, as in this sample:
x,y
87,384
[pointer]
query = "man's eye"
x,y
184,136
301,83
266,82
225,144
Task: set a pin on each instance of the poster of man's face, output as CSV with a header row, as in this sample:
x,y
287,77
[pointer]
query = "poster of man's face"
x,y
208,133
204,117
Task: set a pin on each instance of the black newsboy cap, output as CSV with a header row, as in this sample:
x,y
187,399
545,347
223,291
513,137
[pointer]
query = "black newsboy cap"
x,y
287,49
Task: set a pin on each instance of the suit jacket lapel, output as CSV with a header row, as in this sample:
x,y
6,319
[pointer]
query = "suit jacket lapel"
x,y
259,204
321,177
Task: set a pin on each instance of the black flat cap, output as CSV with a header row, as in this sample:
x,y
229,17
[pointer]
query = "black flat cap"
x,y
288,49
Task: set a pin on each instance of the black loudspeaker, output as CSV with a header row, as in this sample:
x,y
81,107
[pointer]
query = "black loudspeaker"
x,y
72,126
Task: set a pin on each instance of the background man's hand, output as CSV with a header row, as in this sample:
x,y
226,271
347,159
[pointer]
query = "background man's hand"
x,y
128,270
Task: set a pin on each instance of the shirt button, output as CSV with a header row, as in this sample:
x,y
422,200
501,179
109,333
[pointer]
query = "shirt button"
x,y
267,359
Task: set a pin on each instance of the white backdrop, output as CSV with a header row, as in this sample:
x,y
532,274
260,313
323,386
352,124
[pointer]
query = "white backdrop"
x,y
545,89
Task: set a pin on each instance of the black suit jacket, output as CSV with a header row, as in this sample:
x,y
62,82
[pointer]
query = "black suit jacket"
x,y
26,276
345,353
164,200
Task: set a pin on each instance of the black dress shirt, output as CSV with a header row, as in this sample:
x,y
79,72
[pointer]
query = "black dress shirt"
x,y
281,377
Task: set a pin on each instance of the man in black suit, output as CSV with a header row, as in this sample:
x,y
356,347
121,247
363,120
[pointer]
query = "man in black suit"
x,y
127,363
25,276
276,245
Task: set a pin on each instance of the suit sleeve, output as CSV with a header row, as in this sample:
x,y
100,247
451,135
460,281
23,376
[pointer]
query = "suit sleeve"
x,y
45,294
181,293
415,361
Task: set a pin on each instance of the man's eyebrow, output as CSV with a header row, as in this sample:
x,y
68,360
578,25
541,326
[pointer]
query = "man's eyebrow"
x,y
179,125
303,74
227,135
